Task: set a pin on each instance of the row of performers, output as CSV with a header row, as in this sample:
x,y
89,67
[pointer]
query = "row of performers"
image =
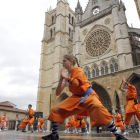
x,y
75,122
30,121
78,121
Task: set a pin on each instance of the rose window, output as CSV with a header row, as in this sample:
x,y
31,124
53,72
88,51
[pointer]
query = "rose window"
x,y
98,43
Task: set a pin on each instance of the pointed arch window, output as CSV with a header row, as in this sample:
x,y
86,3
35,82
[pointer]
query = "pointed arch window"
x,y
97,72
88,73
93,73
102,70
114,66
106,69
111,68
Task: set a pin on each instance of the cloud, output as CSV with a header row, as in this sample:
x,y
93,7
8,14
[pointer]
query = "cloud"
x,y
21,32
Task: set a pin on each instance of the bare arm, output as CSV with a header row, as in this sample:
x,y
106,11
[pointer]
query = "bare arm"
x,y
120,88
60,86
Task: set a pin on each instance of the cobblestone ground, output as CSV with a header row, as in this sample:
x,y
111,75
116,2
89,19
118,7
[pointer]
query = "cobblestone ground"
x,y
14,135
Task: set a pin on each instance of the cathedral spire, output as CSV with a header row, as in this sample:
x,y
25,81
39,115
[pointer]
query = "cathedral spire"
x,y
78,9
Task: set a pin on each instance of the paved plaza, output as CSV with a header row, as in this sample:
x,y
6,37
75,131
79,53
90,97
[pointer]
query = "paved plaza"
x,y
14,135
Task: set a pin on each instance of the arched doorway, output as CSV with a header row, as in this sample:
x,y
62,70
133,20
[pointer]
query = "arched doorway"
x,y
105,99
117,101
103,94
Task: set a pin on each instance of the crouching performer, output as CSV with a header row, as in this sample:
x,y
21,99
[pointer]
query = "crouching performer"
x,y
119,121
41,126
31,118
81,123
84,101
23,125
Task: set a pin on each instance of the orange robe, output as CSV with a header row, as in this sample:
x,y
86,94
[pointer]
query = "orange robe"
x,y
31,118
4,119
42,124
6,123
130,108
119,122
71,121
80,122
23,125
92,106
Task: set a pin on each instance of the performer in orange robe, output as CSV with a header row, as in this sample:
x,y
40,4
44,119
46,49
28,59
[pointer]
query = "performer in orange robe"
x,y
132,106
118,120
71,123
80,122
4,122
23,125
30,119
84,101
42,124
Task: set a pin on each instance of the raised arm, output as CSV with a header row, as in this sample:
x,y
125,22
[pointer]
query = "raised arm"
x,y
120,88
61,85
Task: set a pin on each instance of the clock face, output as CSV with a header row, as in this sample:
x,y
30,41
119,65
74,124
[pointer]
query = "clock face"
x,y
96,11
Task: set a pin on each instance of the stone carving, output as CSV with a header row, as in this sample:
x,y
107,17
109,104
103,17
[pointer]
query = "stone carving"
x,y
98,43
84,31
107,21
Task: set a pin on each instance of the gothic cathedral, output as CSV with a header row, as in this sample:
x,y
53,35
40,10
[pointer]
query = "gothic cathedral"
x,y
106,47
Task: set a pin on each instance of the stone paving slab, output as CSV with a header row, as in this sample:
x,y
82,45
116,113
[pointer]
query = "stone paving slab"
x,y
17,135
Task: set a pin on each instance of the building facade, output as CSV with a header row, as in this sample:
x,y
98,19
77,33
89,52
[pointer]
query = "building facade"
x,y
12,113
138,6
106,47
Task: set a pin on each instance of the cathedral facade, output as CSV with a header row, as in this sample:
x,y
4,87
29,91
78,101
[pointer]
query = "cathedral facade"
x,y
106,47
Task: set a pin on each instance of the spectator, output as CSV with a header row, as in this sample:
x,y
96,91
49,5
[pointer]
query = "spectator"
x,y
100,129
133,127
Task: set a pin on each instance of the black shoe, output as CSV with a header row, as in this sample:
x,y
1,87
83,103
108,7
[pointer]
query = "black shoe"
x,y
32,131
120,137
51,137
23,130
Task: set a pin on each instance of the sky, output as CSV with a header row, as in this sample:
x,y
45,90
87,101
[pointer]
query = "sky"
x,y
21,32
